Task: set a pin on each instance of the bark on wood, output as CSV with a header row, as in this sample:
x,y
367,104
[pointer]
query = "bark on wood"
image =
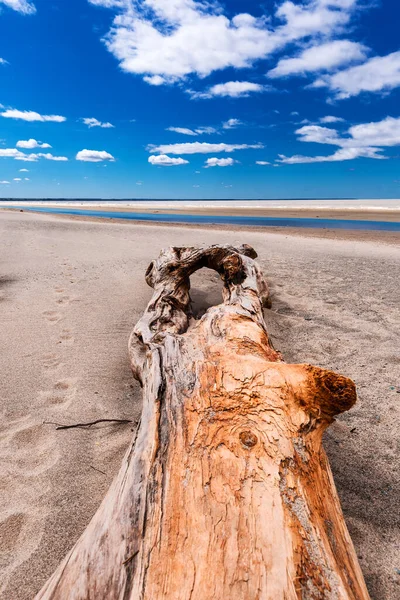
x,y
226,492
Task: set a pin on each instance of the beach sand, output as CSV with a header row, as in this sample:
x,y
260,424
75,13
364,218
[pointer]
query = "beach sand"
x,y
71,291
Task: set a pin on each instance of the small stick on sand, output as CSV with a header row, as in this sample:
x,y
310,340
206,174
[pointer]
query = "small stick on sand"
x,y
59,426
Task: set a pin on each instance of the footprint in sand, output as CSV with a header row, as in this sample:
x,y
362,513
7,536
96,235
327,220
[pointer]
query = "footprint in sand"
x,y
62,393
63,300
10,529
66,337
51,362
34,451
52,316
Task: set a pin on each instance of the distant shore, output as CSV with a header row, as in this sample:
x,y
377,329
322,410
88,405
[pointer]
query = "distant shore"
x,y
357,210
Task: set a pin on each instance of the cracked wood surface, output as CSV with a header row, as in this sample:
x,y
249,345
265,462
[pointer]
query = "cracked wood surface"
x,y
226,492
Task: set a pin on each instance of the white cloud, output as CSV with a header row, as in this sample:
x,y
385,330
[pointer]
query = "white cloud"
x,y
10,153
219,162
233,89
24,170
26,179
378,133
328,56
4,182
262,162
182,130
200,148
192,132
331,119
94,156
364,140
3,61
339,155
206,130
49,156
167,161
31,144
23,6
17,179
92,122
155,80
231,124
379,74
29,115
165,41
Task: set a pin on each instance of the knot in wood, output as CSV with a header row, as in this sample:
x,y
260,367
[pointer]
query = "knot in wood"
x,y
248,439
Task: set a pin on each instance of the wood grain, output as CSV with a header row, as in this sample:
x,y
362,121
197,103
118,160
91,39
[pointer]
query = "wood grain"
x,y
226,492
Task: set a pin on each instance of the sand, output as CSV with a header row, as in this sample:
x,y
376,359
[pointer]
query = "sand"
x,y
70,292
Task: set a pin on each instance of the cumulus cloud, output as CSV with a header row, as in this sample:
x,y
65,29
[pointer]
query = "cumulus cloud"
x,y
29,115
379,74
262,162
31,144
17,179
92,122
219,162
24,170
23,6
167,161
3,61
11,153
94,156
200,148
231,124
167,41
328,56
4,182
233,89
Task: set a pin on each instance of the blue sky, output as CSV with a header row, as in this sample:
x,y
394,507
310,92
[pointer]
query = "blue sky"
x,y
191,99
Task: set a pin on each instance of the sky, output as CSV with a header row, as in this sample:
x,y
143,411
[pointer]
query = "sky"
x,y
199,99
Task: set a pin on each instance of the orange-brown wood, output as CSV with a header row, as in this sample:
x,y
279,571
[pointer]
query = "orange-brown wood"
x,y
226,493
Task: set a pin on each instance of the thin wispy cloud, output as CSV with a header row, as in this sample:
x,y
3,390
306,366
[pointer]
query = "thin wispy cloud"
x,y
338,156
366,140
92,122
331,119
30,116
231,89
232,124
200,148
328,56
192,132
24,7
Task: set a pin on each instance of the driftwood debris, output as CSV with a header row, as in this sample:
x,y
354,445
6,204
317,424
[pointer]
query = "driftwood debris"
x,y
226,493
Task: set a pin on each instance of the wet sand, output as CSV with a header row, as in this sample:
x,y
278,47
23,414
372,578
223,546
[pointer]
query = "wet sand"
x,y
71,290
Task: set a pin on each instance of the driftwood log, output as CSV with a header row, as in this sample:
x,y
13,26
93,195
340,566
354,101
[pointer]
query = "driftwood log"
x,y
226,492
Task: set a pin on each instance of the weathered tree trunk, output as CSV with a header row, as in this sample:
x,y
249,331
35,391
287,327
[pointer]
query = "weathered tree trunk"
x,y
226,494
